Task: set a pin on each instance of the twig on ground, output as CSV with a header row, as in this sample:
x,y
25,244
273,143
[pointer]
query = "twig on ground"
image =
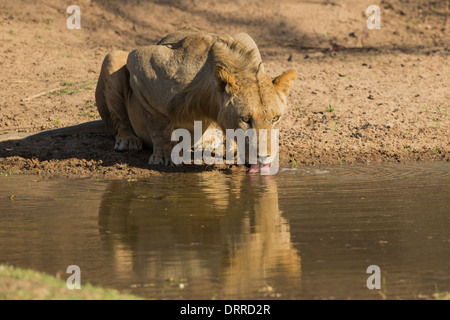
x,y
42,93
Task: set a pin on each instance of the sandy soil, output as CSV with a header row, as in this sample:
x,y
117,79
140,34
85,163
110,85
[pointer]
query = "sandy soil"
x,y
361,96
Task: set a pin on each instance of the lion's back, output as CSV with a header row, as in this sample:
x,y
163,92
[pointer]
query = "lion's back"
x,y
165,76
160,71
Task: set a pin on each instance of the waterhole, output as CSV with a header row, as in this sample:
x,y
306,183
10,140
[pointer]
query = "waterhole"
x,y
308,233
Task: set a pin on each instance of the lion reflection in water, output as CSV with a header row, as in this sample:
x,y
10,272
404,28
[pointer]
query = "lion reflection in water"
x,y
232,243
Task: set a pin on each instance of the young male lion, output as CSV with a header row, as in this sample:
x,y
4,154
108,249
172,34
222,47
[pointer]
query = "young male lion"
x,y
188,76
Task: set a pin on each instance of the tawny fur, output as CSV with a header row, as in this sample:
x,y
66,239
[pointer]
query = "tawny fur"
x,y
190,75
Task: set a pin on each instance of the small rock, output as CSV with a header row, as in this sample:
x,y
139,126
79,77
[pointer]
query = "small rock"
x,y
314,55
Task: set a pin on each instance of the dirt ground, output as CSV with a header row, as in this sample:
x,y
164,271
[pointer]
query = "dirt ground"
x,y
362,95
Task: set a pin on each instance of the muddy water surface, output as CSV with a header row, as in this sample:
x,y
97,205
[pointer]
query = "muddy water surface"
x,y
303,234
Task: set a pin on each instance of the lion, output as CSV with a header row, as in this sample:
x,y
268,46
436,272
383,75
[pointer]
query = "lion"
x,y
189,75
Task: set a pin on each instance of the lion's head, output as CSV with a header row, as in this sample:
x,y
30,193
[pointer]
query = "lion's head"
x,y
251,99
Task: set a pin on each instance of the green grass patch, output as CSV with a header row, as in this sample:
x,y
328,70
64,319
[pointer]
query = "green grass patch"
x,y
73,87
27,284
330,108
60,92
294,163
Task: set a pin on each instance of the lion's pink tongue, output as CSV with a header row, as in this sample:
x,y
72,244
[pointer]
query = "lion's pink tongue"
x,y
254,168
264,168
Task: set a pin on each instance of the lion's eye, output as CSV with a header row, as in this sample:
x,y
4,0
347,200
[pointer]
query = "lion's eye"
x,y
275,119
246,119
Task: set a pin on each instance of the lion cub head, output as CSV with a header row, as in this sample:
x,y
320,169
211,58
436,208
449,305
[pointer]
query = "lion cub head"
x,y
252,100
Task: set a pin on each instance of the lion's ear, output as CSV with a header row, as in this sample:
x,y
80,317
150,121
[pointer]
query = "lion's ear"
x,y
225,80
285,81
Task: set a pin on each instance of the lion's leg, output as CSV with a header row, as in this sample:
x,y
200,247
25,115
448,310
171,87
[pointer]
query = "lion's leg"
x,y
127,140
162,145
154,130
112,94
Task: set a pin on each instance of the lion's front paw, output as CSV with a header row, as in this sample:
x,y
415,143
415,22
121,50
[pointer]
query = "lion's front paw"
x,y
127,142
160,159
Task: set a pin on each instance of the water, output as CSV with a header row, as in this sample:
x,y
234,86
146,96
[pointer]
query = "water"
x,y
302,234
